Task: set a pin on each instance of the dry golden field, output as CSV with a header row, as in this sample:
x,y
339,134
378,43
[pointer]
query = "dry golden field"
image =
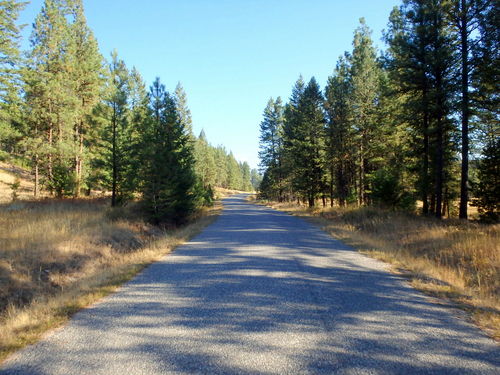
x,y
57,256
458,261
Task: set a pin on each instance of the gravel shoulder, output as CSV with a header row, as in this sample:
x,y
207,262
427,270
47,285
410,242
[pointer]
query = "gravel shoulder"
x,y
263,292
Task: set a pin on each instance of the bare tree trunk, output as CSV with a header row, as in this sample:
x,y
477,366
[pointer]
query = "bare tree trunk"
x,y
331,184
439,169
80,166
37,178
425,172
50,173
440,146
361,197
311,201
464,194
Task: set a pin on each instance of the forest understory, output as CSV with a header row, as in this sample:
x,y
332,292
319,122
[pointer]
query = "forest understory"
x,y
453,260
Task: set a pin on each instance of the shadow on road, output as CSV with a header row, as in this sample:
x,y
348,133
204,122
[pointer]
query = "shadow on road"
x,y
263,292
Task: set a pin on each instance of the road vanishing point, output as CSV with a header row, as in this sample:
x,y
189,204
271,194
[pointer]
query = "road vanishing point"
x,y
263,292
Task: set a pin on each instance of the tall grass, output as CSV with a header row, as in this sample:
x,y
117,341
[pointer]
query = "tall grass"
x,y
446,258
58,256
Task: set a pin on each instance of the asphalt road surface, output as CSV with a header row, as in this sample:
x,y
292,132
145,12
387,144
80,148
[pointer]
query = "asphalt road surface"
x,y
262,292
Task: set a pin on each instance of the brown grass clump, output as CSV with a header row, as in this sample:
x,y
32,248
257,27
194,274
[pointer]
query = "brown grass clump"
x,y
448,258
59,256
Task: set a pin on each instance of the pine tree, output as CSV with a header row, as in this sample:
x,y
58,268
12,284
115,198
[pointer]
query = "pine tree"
x,y
406,61
117,130
51,99
364,95
9,72
183,109
234,178
86,66
339,134
246,184
486,75
139,120
205,161
292,120
488,190
486,78
271,146
440,64
421,61
221,167
305,136
169,179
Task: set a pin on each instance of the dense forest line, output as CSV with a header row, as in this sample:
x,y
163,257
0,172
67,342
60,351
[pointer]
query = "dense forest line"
x,y
393,128
84,123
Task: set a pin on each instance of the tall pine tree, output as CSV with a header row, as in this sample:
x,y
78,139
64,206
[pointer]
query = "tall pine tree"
x,y
339,134
271,147
169,179
305,138
364,96
9,73
51,99
86,75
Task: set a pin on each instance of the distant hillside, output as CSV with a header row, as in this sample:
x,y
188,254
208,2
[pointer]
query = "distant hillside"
x,y
8,174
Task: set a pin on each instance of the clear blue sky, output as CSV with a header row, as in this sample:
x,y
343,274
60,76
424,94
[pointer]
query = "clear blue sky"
x,y
230,55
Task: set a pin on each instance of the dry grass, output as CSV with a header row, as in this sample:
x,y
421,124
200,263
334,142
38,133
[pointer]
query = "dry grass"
x,y
59,256
447,259
8,174
223,193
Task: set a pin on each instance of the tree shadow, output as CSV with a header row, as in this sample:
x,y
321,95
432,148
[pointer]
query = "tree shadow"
x,y
261,292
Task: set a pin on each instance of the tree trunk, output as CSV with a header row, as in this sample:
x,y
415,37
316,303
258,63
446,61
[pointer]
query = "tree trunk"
x,y
114,161
37,178
445,203
331,184
50,173
464,194
366,187
311,201
80,165
439,169
342,183
425,172
361,197
78,159
440,144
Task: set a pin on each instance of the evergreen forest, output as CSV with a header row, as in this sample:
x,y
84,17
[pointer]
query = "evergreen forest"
x,y
413,126
83,123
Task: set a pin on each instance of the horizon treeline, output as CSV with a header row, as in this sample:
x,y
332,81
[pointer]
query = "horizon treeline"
x,y
83,123
400,126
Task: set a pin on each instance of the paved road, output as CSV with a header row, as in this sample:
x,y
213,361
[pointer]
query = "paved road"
x,y
262,292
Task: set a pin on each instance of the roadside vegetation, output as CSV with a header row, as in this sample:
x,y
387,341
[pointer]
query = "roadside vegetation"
x,y
58,256
82,123
450,259
401,149
397,126
99,174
